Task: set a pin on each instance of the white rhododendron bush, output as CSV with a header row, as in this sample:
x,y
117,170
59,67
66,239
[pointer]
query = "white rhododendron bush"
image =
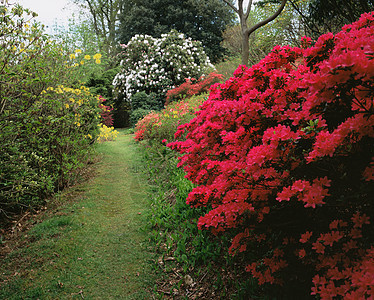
x,y
155,65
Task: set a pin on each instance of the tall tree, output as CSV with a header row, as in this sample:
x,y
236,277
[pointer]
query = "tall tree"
x,y
243,14
286,29
104,15
200,20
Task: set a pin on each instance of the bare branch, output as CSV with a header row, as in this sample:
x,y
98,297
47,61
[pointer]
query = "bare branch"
x,y
249,8
94,16
267,20
231,5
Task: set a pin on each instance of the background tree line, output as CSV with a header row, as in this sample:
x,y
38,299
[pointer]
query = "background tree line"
x,y
117,21
234,31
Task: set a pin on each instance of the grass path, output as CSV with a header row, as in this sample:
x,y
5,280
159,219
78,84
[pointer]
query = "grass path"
x,y
93,248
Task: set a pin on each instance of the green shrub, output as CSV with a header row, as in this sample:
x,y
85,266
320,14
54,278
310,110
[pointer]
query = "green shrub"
x,y
138,114
100,83
47,119
145,101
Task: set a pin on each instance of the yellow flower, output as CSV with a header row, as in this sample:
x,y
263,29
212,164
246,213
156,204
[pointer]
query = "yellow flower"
x,y
71,100
72,56
67,105
78,51
67,89
98,61
97,56
82,62
106,133
86,89
87,57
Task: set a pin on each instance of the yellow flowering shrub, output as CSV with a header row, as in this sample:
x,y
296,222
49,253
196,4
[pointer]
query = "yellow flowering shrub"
x,y
48,121
84,64
106,133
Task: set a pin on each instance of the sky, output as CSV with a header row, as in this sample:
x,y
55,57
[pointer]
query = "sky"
x,y
50,12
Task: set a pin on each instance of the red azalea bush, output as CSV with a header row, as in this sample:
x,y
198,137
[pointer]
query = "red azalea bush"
x,y
193,87
105,113
161,126
283,153
143,127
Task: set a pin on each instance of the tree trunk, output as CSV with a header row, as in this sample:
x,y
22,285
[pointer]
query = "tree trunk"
x,y
245,46
246,32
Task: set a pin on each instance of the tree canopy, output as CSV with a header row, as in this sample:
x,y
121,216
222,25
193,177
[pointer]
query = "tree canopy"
x,y
336,13
330,15
200,20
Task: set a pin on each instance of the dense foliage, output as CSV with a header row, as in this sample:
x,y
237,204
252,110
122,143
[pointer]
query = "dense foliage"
x,y
47,118
154,66
199,20
97,68
283,154
333,14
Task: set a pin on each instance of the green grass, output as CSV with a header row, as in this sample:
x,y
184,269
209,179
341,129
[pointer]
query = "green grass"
x,y
93,247
196,253
228,66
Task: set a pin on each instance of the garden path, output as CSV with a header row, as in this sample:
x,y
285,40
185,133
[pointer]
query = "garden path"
x,y
95,246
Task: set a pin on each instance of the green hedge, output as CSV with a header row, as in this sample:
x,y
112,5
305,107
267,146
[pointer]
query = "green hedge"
x,y
47,119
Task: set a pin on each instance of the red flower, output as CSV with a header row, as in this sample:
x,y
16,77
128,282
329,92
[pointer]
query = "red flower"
x,y
318,247
299,126
302,253
305,237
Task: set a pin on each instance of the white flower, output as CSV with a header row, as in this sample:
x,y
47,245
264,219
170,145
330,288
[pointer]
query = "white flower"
x,y
183,56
